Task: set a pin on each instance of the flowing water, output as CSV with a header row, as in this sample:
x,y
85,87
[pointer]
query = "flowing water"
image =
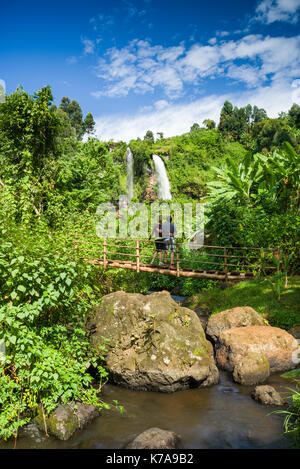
x,y
162,179
220,416
129,162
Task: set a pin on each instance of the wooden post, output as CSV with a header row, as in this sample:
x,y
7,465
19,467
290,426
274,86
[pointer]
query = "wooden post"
x,y
225,264
177,261
104,253
137,255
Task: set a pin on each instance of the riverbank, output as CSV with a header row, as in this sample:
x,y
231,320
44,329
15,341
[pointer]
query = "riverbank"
x,y
283,312
223,416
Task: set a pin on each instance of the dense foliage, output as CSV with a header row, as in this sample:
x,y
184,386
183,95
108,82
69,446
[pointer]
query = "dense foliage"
x,y
51,183
45,297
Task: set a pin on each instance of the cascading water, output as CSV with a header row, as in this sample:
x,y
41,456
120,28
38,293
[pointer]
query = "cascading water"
x,y
162,179
129,161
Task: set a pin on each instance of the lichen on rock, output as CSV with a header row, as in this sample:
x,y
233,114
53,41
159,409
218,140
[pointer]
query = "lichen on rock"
x,y
66,419
236,317
275,344
155,438
154,344
267,395
252,369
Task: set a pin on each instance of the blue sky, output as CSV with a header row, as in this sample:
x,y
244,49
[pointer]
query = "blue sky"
x,y
154,64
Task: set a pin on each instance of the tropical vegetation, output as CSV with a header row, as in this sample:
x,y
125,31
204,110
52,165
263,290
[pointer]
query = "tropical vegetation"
x,y
53,175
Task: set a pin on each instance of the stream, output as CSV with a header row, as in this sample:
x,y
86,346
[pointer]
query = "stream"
x,y
221,416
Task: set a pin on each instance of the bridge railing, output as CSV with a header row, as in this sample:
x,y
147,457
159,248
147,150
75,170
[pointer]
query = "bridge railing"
x,y
138,253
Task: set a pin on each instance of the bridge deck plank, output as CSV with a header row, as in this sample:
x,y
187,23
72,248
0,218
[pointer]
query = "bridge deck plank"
x,y
213,274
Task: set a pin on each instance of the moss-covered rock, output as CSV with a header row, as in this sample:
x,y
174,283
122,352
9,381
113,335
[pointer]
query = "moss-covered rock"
x,y
235,317
155,438
275,344
66,419
267,395
252,369
154,344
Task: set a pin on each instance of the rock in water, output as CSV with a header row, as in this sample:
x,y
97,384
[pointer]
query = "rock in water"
x,y
154,344
252,369
155,438
275,344
267,395
67,418
236,317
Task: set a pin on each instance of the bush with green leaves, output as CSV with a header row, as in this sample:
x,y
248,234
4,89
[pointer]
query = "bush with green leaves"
x,y
233,224
45,299
256,203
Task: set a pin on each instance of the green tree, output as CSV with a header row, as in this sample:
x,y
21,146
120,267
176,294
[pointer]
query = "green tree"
x,y
89,123
294,116
209,124
258,115
67,128
149,136
142,152
271,133
73,110
28,129
29,149
236,122
195,127
232,121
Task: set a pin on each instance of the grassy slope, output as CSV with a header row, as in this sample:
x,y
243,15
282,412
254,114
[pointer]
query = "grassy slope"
x,y
284,313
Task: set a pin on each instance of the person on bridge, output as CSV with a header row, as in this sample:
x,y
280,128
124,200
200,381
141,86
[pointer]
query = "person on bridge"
x,y
159,245
168,234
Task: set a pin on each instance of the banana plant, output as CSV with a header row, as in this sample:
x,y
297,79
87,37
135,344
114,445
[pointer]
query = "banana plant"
x,y
282,172
237,181
277,174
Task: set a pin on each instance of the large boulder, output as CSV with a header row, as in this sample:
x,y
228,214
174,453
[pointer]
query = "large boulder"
x,y
236,317
66,419
155,438
267,395
252,369
154,344
275,344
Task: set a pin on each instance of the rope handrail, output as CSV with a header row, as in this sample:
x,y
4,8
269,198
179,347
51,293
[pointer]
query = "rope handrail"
x,y
185,243
228,262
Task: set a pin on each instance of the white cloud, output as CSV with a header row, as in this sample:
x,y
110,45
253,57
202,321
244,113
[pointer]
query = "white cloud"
x,y
251,76
269,11
2,91
200,60
212,41
171,120
222,33
141,68
89,46
170,54
161,104
175,119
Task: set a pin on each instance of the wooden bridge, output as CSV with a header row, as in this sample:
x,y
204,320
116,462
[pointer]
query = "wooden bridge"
x,y
203,261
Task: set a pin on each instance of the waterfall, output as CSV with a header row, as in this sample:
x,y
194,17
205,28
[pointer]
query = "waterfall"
x,y
129,161
162,179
